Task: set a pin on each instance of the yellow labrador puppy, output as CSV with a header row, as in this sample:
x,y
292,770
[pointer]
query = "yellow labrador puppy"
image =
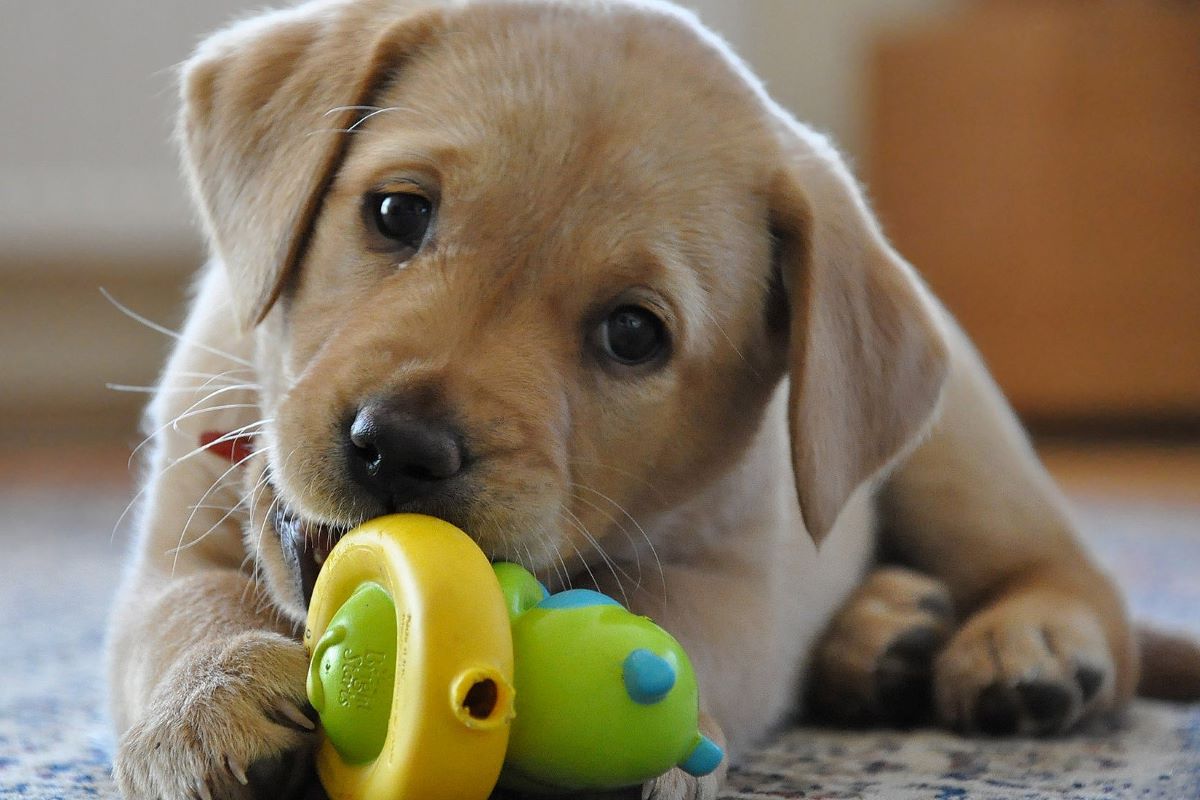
x,y
563,274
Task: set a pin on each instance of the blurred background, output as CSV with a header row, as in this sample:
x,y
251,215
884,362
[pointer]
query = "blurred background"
x,y
1037,160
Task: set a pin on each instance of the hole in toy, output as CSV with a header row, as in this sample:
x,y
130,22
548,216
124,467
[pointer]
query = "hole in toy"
x,y
481,698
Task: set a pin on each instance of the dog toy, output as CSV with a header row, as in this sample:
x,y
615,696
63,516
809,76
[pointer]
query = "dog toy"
x,y
437,674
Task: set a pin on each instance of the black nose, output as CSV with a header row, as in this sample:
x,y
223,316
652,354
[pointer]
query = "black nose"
x,y
399,456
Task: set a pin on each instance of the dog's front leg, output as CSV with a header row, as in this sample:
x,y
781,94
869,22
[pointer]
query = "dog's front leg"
x,y
210,690
1045,639
206,681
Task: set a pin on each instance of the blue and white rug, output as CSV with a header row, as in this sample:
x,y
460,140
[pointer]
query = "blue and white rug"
x,y
58,568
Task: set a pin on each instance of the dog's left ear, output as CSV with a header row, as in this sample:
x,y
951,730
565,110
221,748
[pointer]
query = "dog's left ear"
x,y
265,105
866,357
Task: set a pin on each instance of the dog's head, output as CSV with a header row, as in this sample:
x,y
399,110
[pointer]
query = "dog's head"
x,y
537,268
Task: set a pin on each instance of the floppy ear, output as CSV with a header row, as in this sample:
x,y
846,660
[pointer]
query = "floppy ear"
x,y
866,358
261,103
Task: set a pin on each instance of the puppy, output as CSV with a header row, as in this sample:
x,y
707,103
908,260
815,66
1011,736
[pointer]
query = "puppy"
x,y
564,275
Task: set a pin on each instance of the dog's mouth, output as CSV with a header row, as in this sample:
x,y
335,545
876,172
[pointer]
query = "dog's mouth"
x,y
306,545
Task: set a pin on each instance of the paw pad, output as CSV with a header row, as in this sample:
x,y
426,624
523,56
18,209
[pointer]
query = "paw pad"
x,y
1090,679
1035,707
902,676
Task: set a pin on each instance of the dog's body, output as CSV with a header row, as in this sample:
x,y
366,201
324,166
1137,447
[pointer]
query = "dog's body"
x,y
578,161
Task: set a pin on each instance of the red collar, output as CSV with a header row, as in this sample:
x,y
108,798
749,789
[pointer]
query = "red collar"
x,y
233,448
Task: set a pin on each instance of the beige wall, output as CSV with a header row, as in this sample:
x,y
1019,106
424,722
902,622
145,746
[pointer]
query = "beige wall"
x,y
90,195
812,53
88,98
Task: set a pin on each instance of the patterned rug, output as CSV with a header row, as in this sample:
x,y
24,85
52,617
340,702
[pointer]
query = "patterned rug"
x,y
59,568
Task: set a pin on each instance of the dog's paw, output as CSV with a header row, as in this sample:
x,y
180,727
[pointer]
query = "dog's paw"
x,y
229,723
673,785
1031,666
875,662
679,785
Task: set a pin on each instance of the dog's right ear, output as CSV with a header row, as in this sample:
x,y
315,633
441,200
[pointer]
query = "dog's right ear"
x,y
867,356
262,103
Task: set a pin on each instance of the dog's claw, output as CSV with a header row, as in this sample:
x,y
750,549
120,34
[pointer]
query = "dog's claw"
x,y
237,770
294,714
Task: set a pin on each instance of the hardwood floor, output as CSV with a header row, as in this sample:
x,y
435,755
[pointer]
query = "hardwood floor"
x,y
1169,473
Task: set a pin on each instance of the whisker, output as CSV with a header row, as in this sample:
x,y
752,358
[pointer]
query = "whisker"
x,y
223,438
338,109
567,577
540,538
179,337
507,547
203,497
529,555
595,542
188,413
662,577
210,379
251,502
640,479
248,532
712,318
612,566
112,536
551,548
206,507
632,544
124,387
233,508
583,561
199,402
331,130
194,374
228,436
374,113
225,407
150,481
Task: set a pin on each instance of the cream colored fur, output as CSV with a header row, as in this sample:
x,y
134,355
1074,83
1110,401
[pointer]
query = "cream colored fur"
x,y
807,406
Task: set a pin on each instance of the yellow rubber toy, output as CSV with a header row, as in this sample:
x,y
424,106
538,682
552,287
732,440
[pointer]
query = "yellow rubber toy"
x,y
450,700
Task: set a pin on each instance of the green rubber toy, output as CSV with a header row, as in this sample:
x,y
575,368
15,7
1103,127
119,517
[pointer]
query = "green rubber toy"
x,y
604,698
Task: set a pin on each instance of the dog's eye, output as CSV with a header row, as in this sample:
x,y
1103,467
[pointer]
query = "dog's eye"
x,y
632,335
402,217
